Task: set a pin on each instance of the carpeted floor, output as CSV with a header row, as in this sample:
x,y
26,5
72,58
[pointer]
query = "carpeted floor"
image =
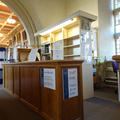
x,y
12,109
99,109
94,109
106,93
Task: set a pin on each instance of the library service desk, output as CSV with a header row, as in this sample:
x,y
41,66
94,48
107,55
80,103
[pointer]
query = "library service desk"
x,y
51,88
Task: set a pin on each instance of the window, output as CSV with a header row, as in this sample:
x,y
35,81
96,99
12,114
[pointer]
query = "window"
x,y
116,4
117,23
118,46
116,13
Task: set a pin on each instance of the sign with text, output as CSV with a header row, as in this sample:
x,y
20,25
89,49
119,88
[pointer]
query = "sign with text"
x,y
48,78
33,54
70,83
58,50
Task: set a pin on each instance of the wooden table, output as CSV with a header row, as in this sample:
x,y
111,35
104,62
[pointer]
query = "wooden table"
x,y
48,87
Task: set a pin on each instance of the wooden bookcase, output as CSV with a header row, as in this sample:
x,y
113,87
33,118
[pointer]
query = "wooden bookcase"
x,y
70,35
72,47
71,29
56,35
23,54
19,40
69,32
46,51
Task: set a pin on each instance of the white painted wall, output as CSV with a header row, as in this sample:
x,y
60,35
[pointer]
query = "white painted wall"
x,y
45,12
90,6
106,29
87,74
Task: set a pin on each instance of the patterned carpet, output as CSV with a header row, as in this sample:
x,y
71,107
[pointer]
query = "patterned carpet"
x,y
94,109
12,109
99,109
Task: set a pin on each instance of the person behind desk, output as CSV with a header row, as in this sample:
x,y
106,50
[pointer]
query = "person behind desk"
x,y
38,56
115,69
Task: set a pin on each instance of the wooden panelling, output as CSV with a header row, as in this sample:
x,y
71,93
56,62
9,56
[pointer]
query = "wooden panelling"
x,y
49,103
9,78
16,81
30,85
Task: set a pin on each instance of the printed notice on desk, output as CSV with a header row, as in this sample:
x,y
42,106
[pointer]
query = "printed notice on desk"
x,y
70,80
72,83
48,78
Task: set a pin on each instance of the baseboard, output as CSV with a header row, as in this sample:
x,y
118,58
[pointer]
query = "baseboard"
x,y
8,91
16,96
29,105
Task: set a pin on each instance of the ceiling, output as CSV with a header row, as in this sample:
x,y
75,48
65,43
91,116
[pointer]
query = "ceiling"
x,y
6,28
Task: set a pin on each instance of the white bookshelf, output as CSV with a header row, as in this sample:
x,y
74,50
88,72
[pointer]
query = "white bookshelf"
x,y
69,32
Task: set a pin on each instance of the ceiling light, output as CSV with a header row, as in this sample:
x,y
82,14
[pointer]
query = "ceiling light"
x,y
1,35
11,21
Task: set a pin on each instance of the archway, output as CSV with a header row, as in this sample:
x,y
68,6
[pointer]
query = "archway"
x,y
26,20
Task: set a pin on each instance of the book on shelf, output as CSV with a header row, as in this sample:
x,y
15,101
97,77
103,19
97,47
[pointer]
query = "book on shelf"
x,y
46,49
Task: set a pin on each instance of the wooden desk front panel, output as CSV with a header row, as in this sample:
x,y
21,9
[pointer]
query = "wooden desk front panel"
x,y
48,102
9,78
30,85
73,106
16,85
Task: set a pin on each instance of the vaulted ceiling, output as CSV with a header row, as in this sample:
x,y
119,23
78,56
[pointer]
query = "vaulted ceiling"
x,y
6,28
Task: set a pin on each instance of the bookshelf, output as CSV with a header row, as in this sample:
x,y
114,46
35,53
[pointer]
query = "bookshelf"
x,y
69,35
45,39
56,35
69,32
46,51
72,47
19,40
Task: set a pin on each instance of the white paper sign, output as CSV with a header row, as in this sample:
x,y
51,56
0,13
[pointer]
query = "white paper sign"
x,y
72,82
49,78
33,54
2,55
58,50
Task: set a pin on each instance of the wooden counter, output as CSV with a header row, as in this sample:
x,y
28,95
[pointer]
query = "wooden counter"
x,y
28,82
117,58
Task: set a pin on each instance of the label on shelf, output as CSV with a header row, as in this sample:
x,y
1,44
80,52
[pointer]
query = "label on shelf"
x,y
47,76
70,83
